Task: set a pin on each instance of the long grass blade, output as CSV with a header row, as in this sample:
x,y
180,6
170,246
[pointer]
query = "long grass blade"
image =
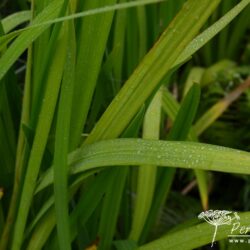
x,y
89,59
182,124
40,140
62,145
147,174
162,153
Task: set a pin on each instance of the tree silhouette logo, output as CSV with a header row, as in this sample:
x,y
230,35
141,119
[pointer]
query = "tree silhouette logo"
x,y
218,218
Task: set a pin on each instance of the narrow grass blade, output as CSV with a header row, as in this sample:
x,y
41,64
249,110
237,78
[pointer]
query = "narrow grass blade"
x,y
182,124
18,160
42,231
114,63
170,105
42,66
147,174
62,144
142,28
119,45
132,37
91,46
186,114
239,31
7,131
40,140
110,212
224,34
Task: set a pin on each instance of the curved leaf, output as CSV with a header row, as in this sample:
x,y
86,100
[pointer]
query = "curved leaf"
x,y
11,21
189,155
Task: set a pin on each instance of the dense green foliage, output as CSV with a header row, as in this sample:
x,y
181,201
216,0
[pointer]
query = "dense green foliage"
x,y
121,121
